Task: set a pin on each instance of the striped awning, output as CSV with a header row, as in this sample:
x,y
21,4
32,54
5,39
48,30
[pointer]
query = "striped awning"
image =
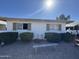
x,y
72,24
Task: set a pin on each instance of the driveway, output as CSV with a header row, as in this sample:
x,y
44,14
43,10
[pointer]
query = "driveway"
x,y
19,50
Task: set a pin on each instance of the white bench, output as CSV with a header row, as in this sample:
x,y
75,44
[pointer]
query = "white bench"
x,y
44,45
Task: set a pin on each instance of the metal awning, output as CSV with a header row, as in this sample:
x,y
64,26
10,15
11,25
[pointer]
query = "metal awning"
x,y
72,24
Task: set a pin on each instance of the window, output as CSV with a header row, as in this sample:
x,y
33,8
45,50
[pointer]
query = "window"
x,y
14,26
25,26
21,26
59,27
47,27
17,26
53,26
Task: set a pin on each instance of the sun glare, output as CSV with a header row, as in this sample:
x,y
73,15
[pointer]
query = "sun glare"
x,y
49,4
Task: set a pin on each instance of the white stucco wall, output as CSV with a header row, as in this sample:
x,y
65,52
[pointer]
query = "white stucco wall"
x,y
37,27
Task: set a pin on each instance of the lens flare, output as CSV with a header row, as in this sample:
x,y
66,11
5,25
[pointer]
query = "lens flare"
x,y
49,4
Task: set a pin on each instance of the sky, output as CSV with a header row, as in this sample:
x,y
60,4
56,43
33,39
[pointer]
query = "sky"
x,y
34,9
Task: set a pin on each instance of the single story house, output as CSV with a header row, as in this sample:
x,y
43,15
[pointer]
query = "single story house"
x,y
37,26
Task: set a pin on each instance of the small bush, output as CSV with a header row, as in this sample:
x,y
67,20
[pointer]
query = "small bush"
x,y
26,36
8,37
53,37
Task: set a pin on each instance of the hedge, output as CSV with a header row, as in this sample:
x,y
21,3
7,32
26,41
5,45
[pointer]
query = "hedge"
x,y
0,41
67,37
26,36
8,37
53,37
58,37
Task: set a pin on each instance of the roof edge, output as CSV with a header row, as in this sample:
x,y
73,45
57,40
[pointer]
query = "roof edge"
x,y
51,20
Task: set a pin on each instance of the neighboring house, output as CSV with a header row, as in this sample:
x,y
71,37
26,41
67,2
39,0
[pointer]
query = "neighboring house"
x,y
37,26
2,25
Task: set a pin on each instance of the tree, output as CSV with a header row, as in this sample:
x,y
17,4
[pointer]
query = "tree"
x,y
63,17
68,17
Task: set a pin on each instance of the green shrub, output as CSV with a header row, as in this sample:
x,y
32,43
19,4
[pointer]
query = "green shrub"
x,y
8,37
53,37
0,41
26,36
57,37
67,37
